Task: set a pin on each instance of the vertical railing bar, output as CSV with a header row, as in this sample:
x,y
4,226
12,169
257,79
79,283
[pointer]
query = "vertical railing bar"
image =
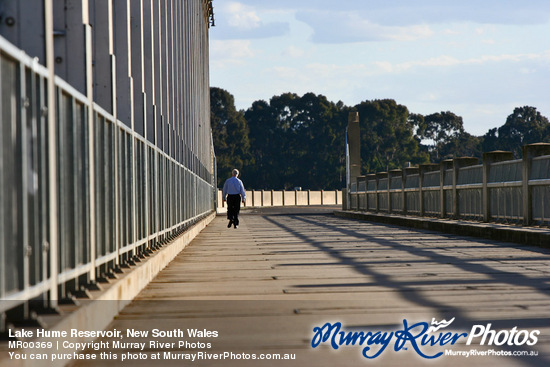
x,y
34,175
23,103
133,191
2,229
91,115
74,181
116,188
48,22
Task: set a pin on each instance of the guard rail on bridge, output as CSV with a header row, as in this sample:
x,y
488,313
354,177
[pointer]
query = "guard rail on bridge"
x,y
86,190
501,189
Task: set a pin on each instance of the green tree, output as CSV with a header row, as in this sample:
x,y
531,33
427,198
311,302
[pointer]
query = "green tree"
x,y
524,126
229,133
443,131
463,145
387,136
297,141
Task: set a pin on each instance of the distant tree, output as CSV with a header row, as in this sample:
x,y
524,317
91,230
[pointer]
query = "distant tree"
x,y
387,136
442,131
524,126
463,145
297,141
229,133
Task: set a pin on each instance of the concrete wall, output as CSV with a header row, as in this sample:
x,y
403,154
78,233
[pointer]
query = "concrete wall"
x,y
264,198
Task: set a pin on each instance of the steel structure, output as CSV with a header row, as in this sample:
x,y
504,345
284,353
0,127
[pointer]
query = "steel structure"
x,y
105,144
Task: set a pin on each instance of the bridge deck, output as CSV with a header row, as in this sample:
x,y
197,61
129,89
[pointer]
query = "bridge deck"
x,y
264,286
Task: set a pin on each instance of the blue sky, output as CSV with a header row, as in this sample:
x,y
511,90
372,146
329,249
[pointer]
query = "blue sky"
x,y
478,59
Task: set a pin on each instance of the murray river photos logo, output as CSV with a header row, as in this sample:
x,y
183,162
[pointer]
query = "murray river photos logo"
x,y
425,339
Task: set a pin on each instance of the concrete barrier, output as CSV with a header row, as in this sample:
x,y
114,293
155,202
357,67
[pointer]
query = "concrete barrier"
x,y
262,198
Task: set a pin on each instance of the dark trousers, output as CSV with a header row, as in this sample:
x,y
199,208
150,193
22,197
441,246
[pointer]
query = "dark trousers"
x,y
233,208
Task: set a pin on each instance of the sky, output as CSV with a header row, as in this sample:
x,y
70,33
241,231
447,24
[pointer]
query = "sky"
x,y
478,59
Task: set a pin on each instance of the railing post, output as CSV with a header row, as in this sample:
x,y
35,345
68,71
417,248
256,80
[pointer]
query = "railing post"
x,y
458,163
488,159
529,152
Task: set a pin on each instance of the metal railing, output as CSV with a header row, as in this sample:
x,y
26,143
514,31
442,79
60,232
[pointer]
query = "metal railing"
x,y
500,189
118,195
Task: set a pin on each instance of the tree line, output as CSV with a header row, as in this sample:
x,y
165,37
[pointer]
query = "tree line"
x,y
299,141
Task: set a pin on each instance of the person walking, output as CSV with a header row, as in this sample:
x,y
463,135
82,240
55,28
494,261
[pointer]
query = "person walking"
x,y
233,193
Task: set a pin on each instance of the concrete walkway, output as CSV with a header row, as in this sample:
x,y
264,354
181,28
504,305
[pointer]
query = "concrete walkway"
x,y
263,287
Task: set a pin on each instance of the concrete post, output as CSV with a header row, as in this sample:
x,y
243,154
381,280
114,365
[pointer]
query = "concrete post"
x,y
529,152
458,163
488,159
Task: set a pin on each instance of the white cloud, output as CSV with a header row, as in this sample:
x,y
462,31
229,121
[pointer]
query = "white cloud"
x,y
293,52
241,16
235,20
230,52
449,61
343,27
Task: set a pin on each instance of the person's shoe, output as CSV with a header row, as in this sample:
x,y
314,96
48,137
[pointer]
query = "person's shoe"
x,y
230,223
235,226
